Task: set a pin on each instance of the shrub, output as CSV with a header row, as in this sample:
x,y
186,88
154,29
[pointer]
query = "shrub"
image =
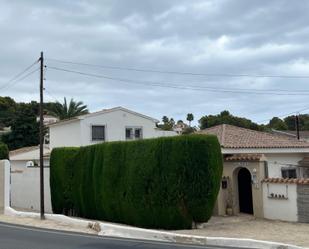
x,y
61,178
154,183
4,151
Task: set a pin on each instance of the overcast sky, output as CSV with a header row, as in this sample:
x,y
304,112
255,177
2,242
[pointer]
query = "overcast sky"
x,y
208,37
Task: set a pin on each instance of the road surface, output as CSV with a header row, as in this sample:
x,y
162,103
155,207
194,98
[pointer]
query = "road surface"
x,y
22,237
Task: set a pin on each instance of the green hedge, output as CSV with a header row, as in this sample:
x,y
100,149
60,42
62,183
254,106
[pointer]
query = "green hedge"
x,y
4,151
153,183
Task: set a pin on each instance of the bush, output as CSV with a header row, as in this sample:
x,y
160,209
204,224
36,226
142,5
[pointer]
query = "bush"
x,y
154,183
4,151
61,179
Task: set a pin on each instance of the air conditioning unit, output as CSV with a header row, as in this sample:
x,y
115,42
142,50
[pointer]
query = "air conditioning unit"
x,y
30,164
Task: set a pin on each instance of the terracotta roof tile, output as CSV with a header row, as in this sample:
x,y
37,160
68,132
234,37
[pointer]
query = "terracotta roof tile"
x,y
300,181
231,136
244,157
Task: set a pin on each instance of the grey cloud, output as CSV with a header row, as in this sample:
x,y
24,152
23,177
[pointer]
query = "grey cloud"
x,y
242,37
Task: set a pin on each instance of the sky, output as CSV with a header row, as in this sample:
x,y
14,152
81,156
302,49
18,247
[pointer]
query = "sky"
x,y
208,43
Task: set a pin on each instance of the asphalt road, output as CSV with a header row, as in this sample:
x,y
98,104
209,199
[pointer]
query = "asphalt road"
x,y
21,237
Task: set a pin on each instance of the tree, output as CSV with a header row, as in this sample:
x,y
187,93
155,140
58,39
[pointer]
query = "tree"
x,y
168,124
65,111
7,111
4,151
277,124
165,119
25,128
226,118
190,118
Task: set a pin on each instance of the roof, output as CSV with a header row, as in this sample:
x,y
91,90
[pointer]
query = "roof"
x,y
29,149
301,181
235,137
244,157
302,134
102,112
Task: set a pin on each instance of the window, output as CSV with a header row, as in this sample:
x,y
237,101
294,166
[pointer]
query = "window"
x,y
266,169
129,133
98,133
134,133
288,172
138,133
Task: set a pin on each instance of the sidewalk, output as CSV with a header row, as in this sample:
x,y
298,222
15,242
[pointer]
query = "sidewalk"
x,y
246,226
49,224
229,227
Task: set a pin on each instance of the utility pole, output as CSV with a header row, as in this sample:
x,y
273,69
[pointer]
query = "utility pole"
x,y
297,125
41,137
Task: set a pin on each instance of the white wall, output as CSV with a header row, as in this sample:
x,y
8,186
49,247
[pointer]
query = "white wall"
x,y
4,184
25,189
78,133
280,209
277,161
115,123
65,135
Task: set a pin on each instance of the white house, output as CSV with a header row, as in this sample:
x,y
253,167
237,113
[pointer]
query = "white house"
x,y
115,124
264,174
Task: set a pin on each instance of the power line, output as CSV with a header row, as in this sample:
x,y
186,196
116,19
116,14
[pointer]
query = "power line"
x,y
285,115
51,95
18,75
168,85
181,73
18,80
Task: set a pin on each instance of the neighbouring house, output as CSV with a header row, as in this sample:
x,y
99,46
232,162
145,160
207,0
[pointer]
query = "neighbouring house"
x,y
115,124
264,174
25,178
180,126
48,119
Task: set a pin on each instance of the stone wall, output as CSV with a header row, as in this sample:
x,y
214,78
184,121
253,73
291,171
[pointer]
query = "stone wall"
x,y
303,203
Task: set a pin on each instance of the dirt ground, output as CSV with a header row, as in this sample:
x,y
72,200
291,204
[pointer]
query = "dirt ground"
x,y
245,226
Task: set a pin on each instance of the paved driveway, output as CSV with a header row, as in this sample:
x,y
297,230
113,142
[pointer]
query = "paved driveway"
x,y
245,226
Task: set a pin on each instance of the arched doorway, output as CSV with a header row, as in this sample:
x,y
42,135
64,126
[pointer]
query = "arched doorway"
x,y
245,191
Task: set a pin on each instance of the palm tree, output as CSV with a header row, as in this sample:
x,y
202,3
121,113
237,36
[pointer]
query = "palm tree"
x,y
190,117
63,111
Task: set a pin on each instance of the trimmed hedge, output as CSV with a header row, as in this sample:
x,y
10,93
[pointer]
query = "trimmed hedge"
x,y
154,183
4,151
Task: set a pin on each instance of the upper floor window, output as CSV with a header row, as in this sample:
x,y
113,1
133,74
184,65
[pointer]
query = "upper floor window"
x,y
134,133
288,173
98,133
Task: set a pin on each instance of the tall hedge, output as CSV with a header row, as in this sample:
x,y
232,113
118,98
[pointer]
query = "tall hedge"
x,y
4,151
154,183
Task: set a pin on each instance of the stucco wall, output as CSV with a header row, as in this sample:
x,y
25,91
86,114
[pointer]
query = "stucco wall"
x,y
230,171
115,123
4,184
79,133
280,209
25,189
65,135
277,161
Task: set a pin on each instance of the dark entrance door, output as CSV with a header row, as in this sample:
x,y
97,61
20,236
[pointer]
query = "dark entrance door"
x,y
245,191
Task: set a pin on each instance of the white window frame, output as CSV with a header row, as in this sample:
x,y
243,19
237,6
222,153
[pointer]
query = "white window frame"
x,y
133,133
